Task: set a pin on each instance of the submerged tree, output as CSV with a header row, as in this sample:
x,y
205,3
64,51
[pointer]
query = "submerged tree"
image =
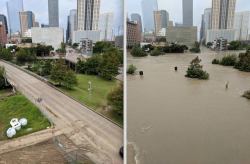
x,y
195,70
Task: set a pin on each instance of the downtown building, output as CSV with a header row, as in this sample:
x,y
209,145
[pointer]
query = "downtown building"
x,y
27,21
148,8
53,10
88,12
242,26
72,24
206,23
222,21
106,23
187,13
133,29
13,9
3,30
137,18
161,19
182,35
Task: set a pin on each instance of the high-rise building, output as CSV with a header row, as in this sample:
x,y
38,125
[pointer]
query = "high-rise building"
x,y
88,14
27,20
161,19
187,7
148,8
206,23
106,26
53,7
242,25
3,29
72,24
137,18
13,9
223,14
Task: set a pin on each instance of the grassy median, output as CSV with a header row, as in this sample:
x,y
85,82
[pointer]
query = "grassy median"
x,y
18,106
97,98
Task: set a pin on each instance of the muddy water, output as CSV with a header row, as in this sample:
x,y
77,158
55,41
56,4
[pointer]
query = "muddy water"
x,y
176,120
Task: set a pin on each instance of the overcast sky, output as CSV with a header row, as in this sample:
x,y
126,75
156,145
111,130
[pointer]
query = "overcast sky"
x,y
40,9
174,8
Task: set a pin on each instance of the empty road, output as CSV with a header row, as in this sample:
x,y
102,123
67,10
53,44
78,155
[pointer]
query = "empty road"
x,y
100,138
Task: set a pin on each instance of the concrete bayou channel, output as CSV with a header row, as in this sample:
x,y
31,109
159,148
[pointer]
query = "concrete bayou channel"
x,y
100,136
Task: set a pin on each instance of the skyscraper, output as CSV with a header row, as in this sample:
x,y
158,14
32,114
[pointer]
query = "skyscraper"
x,y
53,7
13,9
3,29
106,26
206,23
161,19
148,8
27,20
187,7
242,25
72,24
223,14
137,18
88,14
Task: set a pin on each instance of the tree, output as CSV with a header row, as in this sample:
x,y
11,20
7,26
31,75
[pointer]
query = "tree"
x,y
92,65
75,45
243,63
195,70
62,75
102,46
131,69
138,52
2,79
109,65
235,45
58,72
69,79
115,99
25,55
5,54
196,48
46,68
209,44
229,60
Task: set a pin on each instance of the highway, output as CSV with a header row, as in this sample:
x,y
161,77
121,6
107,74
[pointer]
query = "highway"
x,y
100,138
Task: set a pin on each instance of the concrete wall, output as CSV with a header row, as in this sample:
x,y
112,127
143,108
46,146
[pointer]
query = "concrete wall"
x,y
49,36
182,35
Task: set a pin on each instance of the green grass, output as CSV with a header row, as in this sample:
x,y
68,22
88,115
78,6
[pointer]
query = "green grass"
x,y
97,100
18,106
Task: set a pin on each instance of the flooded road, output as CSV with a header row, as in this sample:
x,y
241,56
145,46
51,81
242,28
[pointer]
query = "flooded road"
x,y
176,120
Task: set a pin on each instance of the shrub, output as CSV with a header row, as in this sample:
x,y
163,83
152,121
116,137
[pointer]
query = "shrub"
x,y
195,70
229,60
155,52
5,54
216,61
244,62
138,52
115,99
246,94
131,69
196,48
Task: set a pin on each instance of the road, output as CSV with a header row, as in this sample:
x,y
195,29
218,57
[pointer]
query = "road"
x,y
100,138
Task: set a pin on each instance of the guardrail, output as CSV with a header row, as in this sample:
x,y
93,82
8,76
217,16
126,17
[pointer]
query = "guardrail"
x,y
51,85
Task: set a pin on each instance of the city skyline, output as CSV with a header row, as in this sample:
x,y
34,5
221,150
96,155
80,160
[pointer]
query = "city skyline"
x,y
41,13
174,8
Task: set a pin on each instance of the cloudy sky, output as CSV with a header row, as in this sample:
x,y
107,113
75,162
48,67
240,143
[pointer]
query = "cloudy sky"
x,y
174,7
40,9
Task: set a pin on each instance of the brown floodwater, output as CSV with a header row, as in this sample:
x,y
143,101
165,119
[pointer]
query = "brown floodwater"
x,y
176,120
